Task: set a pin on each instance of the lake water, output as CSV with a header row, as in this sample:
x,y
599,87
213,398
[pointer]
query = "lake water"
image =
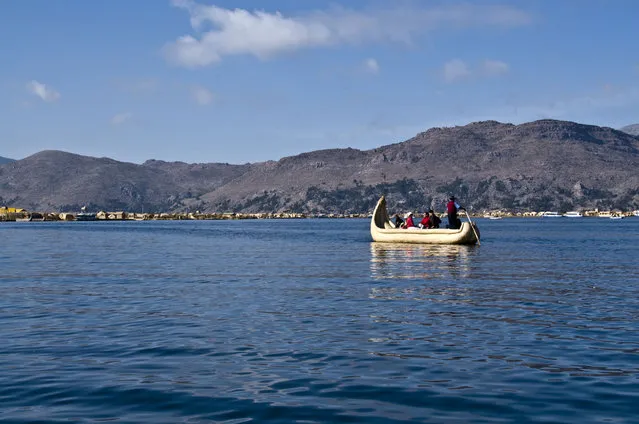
x,y
280,321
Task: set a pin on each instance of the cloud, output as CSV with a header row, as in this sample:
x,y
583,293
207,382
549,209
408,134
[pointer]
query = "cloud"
x,y
47,94
201,95
494,67
121,118
456,69
220,32
371,66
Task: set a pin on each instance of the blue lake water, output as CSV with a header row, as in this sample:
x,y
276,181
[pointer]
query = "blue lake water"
x,y
280,321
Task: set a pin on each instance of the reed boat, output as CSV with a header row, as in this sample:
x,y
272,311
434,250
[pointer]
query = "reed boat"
x,y
32,216
383,230
86,216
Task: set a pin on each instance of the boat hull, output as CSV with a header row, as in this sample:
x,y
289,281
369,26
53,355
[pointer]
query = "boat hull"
x,y
551,215
573,215
382,230
85,216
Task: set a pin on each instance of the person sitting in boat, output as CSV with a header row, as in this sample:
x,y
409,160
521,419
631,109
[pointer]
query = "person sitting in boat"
x,y
409,220
398,221
435,221
452,207
430,220
425,222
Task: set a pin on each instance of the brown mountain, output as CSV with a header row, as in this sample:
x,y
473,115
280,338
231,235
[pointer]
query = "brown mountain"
x,y
54,180
539,165
61,181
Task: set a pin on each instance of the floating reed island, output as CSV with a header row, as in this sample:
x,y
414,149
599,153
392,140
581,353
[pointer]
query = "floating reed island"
x,y
23,215
19,215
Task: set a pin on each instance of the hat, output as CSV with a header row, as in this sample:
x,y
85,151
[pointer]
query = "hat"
x,y
452,197
407,215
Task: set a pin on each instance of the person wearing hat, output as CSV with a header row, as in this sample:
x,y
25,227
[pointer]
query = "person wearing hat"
x,y
451,209
409,220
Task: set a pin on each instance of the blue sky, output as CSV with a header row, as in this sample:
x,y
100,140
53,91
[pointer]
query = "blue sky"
x,y
240,81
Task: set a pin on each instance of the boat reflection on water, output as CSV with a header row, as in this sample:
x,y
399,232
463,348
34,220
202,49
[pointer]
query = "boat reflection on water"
x,y
420,261
434,273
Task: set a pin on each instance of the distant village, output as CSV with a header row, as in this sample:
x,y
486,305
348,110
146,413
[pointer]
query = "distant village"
x,y
23,215
586,213
17,214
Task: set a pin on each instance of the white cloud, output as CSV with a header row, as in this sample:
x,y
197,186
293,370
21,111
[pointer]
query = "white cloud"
x,y
201,95
494,67
456,69
121,118
371,66
222,32
47,94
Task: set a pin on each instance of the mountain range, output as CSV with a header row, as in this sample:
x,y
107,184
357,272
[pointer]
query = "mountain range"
x,y
540,165
5,160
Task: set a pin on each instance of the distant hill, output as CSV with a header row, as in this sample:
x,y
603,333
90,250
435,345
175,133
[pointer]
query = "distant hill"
x,y
631,129
5,160
541,165
55,180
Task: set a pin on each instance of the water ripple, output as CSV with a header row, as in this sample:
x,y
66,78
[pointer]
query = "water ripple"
x,y
308,321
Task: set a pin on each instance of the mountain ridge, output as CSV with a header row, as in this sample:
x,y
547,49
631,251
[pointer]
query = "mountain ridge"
x,y
539,165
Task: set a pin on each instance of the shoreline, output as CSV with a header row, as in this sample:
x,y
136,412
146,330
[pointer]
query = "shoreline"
x,y
123,216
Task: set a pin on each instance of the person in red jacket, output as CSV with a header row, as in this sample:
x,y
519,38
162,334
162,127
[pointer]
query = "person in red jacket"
x,y
430,220
425,222
451,209
409,221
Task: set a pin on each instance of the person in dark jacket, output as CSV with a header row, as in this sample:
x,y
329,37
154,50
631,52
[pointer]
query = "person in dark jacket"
x,y
398,221
433,219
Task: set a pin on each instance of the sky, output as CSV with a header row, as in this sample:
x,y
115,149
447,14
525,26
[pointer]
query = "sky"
x,y
237,81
